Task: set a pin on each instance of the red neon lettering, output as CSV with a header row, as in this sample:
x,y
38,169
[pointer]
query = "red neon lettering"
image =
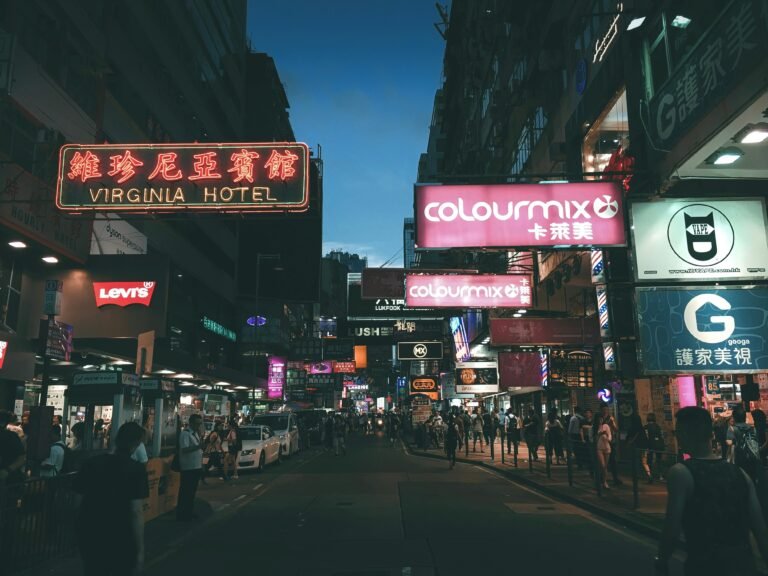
x,y
281,165
84,166
204,166
242,165
124,165
166,164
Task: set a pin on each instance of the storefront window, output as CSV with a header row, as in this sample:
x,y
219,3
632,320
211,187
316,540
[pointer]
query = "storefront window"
x,y
608,138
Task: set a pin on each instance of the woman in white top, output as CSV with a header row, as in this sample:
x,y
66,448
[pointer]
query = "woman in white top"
x,y
604,437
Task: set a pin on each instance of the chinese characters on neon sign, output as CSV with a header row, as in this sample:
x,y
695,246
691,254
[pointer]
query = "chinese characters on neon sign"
x,y
217,177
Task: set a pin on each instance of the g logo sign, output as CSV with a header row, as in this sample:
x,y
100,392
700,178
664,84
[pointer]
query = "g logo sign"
x,y
710,336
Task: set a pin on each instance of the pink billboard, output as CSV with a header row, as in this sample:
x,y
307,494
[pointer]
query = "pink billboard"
x,y
276,377
468,290
544,331
519,215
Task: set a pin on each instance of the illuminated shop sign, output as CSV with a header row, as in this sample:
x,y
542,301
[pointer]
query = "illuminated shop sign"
x,y
426,385
700,239
123,293
477,377
3,352
321,367
271,177
348,367
519,215
460,340
419,350
715,330
216,328
276,377
468,290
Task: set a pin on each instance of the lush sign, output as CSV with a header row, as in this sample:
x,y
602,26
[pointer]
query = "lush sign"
x,y
249,177
701,331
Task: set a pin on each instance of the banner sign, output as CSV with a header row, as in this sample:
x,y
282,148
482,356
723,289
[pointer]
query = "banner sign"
x,y
700,239
468,290
123,293
544,331
276,377
383,283
460,339
477,377
520,370
250,177
735,44
325,367
419,350
58,345
717,331
346,367
519,215
425,385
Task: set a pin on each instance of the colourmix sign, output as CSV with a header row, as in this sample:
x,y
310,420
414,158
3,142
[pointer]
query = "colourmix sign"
x,y
700,331
227,177
700,239
468,291
519,215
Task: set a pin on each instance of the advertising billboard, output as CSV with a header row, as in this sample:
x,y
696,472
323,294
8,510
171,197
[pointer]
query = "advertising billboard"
x,y
276,377
544,331
383,283
699,331
382,308
123,293
460,340
521,370
468,290
419,350
700,239
519,215
325,367
426,385
477,377
228,177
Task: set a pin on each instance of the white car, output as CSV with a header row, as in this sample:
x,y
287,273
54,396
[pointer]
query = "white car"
x,y
260,447
284,426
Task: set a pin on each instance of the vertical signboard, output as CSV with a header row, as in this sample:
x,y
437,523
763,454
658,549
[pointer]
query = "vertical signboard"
x,y
276,377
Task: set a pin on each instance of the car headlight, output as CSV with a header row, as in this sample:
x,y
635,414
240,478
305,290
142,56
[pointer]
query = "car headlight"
x,y
247,452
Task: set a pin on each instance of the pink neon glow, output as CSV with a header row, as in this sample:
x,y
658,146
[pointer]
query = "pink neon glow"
x,y
468,290
276,377
686,390
281,165
519,215
166,167
123,164
242,165
205,165
84,166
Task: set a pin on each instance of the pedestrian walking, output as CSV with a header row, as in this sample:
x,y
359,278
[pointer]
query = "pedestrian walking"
x,y
451,441
745,449
458,421
588,436
53,465
713,503
575,437
652,456
394,428
113,486
214,450
477,431
761,429
12,453
613,463
190,467
531,425
553,431
512,431
234,446
721,433
339,435
604,437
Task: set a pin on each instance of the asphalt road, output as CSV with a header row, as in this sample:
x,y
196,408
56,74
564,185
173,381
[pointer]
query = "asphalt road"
x,y
379,511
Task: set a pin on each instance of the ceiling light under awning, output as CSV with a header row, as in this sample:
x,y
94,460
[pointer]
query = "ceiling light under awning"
x,y
752,134
725,156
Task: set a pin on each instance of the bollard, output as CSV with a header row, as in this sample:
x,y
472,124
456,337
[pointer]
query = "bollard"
x,y
547,456
598,470
466,445
635,487
569,467
530,460
501,442
492,443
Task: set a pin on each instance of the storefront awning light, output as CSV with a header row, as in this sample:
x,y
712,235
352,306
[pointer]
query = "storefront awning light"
x,y
241,387
636,23
223,384
121,363
681,22
165,372
17,244
187,383
753,134
184,376
725,156
50,259
522,311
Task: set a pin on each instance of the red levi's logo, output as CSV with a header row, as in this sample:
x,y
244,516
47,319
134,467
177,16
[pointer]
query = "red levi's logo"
x,y
123,293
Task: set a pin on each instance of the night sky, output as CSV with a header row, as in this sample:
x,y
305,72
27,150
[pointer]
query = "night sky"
x,y
360,76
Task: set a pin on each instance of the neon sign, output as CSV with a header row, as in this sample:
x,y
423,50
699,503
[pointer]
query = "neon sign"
x,y
269,177
216,328
602,44
123,293
3,349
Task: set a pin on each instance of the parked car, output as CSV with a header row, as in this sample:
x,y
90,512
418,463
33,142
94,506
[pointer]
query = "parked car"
x,y
285,427
261,446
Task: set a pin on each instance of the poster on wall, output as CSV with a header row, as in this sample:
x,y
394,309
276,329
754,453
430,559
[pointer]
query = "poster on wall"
x,y
700,239
477,377
716,331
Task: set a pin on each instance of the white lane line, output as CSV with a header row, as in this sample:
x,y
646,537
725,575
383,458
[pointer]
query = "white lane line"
x,y
257,487
583,513
220,508
239,497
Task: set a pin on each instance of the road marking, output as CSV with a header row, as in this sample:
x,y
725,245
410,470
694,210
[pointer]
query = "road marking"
x,y
257,487
239,497
220,508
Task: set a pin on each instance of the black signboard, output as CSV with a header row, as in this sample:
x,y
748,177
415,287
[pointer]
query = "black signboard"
x,y
338,349
383,308
419,350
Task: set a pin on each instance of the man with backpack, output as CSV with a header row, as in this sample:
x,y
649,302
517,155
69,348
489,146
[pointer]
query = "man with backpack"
x,y
745,449
512,431
654,446
58,461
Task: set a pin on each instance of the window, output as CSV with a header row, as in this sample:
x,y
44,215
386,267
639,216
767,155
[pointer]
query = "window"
x,y
608,137
539,124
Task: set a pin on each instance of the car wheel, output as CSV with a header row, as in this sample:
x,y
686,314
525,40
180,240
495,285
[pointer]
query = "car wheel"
x,y
262,461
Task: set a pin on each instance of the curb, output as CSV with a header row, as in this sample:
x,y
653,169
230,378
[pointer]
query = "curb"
x,y
614,517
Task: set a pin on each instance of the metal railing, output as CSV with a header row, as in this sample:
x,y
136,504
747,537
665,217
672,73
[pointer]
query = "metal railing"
x,y
37,521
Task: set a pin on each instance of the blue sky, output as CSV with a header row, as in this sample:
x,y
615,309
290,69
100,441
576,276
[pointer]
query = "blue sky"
x,y
360,76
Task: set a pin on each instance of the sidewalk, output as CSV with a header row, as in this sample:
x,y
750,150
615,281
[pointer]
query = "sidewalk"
x,y
615,504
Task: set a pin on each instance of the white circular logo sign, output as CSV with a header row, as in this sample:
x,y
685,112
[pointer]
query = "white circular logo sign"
x,y
605,207
420,350
700,235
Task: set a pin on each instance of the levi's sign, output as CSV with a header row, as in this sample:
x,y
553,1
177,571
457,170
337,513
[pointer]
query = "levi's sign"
x,y
468,290
123,293
271,177
507,215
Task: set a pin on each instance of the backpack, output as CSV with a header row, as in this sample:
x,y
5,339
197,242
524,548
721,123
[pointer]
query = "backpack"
x,y
746,450
68,465
655,437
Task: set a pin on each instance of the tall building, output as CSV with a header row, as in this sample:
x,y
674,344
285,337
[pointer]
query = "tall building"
x,y
409,242
353,262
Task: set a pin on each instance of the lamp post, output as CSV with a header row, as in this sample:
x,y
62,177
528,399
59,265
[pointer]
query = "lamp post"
x,y
259,259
